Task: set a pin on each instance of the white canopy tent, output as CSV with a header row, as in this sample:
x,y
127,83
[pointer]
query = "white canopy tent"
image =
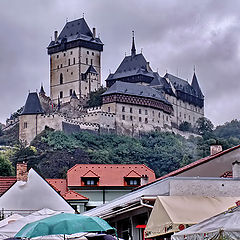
x,y
10,229
223,226
174,213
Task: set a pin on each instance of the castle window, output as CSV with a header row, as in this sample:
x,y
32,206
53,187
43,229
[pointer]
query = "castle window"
x,y
159,115
131,118
71,52
93,53
167,118
57,56
61,65
146,120
74,61
109,109
153,113
123,109
130,110
64,54
69,62
180,114
140,111
86,60
140,119
90,181
189,117
163,117
184,116
123,117
70,92
146,112
61,94
61,78
25,125
87,52
91,62
71,73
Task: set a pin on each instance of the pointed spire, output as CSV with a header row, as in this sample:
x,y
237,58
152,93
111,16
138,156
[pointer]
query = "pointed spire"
x,y
196,86
133,50
42,92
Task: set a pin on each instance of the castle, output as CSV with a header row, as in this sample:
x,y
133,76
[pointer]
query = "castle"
x,y
137,99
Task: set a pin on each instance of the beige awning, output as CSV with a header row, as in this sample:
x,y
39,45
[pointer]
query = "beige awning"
x,y
174,213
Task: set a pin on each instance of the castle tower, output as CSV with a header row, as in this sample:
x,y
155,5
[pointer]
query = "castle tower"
x,y
72,54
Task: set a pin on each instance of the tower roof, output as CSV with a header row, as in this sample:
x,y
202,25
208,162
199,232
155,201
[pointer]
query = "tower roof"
x,y
76,31
32,105
196,86
42,90
133,50
91,69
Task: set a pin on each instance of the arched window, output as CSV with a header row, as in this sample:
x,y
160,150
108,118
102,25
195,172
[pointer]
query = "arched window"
x,y
61,78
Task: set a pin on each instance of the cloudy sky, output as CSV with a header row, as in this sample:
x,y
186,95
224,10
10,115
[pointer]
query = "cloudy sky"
x,y
174,35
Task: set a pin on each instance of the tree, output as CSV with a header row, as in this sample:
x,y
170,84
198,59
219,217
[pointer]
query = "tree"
x,y
95,98
204,126
1,131
185,126
6,168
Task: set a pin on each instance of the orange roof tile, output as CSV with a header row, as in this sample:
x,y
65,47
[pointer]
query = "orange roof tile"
x,y
6,183
72,195
109,174
90,174
60,185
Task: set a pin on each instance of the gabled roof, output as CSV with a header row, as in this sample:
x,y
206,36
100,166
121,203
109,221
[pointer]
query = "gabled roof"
x,y
32,105
6,183
109,174
91,69
196,86
90,174
131,66
135,90
72,195
133,174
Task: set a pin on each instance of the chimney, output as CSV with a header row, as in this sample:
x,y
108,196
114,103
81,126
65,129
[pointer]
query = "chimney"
x,y
55,35
22,173
236,169
215,149
94,32
144,180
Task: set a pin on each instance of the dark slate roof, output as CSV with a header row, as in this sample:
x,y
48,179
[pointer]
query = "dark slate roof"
x,y
181,84
69,128
134,89
131,66
91,69
42,90
76,30
196,86
32,105
161,83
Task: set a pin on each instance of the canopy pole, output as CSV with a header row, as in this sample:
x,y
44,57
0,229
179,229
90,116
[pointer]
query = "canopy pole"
x,y
64,236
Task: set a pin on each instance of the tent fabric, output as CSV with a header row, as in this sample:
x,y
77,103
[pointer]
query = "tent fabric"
x,y
12,228
226,224
174,213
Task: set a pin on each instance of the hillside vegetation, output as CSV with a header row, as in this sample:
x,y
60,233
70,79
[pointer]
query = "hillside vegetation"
x,y
52,153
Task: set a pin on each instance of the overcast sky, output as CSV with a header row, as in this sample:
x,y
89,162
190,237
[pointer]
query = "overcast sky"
x,y
173,35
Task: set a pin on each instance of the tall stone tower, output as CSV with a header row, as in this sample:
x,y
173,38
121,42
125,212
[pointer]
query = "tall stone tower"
x,y
75,61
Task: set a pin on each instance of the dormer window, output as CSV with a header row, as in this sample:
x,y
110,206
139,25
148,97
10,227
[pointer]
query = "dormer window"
x,y
90,181
132,181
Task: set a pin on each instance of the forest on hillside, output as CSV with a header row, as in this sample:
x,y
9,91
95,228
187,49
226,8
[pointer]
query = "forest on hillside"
x,y
52,153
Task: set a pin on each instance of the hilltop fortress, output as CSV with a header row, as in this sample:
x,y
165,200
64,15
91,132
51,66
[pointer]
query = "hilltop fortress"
x,y
137,99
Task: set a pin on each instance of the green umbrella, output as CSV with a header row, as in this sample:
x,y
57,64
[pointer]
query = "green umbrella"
x,y
64,223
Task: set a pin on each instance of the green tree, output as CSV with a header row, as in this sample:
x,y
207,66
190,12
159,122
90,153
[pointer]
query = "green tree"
x,y
185,126
204,126
6,168
95,98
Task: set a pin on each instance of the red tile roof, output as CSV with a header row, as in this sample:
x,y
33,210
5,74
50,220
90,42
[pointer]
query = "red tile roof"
x,y
109,174
72,195
6,183
60,185
196,163
133,174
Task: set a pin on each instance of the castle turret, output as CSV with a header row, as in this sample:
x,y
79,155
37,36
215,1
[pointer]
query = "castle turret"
x,y
196,86
72,52
133,50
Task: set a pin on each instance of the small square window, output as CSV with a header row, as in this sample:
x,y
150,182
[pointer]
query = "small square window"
x,y
57,56
70,92
109,109
91,62
87,52
61,94
130,110
25,125
146,120
71,73
123,117
64,54
61,65
131,118
146,112
71,52
140,119
140,111
86,60
123,109
93,53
